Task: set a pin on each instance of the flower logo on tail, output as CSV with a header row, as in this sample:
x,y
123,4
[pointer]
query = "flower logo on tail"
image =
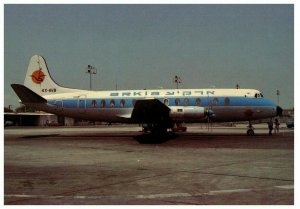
x,y
38,76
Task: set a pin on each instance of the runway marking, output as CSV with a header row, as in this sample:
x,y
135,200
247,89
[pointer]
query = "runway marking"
x,y
148,196
34,196
154,196
285,187
228,191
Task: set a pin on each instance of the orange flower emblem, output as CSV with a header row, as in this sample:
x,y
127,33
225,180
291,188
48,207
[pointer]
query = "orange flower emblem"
x,y
38,76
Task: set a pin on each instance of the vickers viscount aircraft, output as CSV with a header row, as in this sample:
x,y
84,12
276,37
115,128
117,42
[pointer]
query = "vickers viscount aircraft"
x,y
159,109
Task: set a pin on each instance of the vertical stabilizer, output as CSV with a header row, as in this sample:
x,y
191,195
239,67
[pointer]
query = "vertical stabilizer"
x,y
39,80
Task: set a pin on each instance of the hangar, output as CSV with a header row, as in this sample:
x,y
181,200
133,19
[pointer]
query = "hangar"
x,y
37,119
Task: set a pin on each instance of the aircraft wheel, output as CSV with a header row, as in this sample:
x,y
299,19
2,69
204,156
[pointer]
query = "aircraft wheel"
x,y
250,132
159,131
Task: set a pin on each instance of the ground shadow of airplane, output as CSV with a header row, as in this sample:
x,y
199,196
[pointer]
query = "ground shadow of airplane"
x,y
149,138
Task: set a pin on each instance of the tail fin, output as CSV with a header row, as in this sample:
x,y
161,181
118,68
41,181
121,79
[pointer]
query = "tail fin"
x,y
39,80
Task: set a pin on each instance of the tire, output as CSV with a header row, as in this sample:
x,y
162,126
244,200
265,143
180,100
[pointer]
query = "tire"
x,y
250,132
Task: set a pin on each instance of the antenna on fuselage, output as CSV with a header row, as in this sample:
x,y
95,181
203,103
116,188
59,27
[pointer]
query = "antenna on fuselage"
x,y
116,84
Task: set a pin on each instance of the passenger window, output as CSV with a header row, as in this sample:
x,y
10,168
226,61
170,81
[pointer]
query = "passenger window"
x,y
122,103
94,103
186,101
198,102
227,101
103,103
215,101
166,101
177,102
112,103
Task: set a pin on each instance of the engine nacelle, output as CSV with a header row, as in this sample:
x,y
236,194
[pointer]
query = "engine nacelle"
x,y
185,113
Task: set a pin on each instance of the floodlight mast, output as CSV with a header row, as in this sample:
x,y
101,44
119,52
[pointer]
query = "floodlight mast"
x,y
278,94
177,80
91,70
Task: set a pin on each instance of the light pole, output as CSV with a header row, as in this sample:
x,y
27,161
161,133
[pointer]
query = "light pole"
x,y
177,80
91,70
10,107
278,94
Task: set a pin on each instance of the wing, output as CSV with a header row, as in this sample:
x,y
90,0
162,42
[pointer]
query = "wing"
x,y
150,111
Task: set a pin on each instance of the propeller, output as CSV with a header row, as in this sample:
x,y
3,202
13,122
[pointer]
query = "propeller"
x,y
209,115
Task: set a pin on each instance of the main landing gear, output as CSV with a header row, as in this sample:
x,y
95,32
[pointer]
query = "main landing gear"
x,y
250,129
155,133
178,127
155,129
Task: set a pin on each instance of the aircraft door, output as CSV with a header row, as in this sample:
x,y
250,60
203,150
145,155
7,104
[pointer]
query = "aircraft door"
x,y
59,105
81,104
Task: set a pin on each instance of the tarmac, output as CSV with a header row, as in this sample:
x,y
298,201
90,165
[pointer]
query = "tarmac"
x,y
118,164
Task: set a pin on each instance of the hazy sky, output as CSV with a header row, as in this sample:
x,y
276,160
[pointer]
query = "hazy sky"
x,y
145,46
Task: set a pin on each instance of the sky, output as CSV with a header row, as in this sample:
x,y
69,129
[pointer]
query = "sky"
x,y
145,46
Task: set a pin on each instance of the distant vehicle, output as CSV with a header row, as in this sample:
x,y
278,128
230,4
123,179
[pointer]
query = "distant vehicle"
x,y
53,123
158,109
290,124
8,123
179,128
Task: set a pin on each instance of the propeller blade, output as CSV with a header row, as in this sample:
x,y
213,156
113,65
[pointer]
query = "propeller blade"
x,y
210,115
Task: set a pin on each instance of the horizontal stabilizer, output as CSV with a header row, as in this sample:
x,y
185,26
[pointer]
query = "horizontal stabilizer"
x,y
26,95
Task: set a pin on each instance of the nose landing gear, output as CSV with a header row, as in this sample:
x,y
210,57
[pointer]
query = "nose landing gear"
x,y
250,129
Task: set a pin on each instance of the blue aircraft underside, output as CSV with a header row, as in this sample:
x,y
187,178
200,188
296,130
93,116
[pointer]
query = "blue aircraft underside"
x,y
238,109
223,114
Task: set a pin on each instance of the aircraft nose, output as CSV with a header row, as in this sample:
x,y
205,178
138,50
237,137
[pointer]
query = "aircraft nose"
x,y
278,111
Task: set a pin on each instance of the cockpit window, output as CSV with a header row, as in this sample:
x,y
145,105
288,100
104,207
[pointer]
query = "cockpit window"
x,y
258,95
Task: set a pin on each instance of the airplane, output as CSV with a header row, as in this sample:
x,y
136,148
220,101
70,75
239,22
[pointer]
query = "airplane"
x,y
158,109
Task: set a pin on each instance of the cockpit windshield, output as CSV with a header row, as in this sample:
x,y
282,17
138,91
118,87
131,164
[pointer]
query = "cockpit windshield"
x,y
258,95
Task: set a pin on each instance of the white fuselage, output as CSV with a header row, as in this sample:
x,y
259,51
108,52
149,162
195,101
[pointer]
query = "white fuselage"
x,y
117,106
